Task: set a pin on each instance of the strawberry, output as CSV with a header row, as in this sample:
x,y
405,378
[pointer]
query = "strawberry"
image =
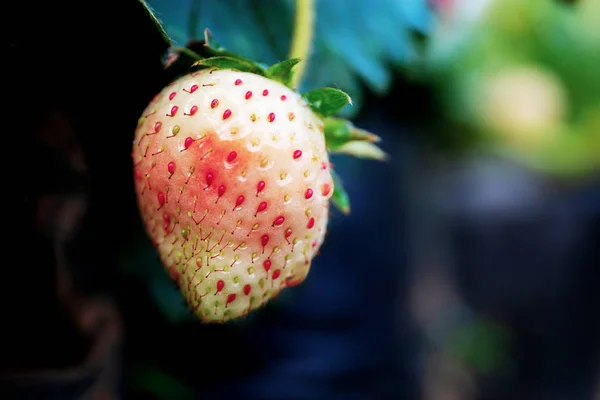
x,y
233,182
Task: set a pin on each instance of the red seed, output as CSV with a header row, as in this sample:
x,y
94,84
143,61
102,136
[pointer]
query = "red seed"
x,y
271,117
231,156
221,190
188,142
260,187
265,92
193,110
247,289
297,154
231,298
261,207
173,111
220,286
157,126
311,223
172,95
214,103
288,233
171,167
239,200
227,114
276,273
283,97
193,88
161,198
308,194
209,178
267,265
325,189
248,94
238,82
264,239
279,220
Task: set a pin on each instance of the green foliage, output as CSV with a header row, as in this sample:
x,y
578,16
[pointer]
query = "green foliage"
x,y
357,43
482,344
340,134
326,101
151,14
340,131
224,62
282,72
541,59
340,198
248,45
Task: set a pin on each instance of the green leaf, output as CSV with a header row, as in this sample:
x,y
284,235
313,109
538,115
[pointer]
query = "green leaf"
x,y
156,22
216,49
282,72
350,52
223,62
361,149
340,198
339,131
326,101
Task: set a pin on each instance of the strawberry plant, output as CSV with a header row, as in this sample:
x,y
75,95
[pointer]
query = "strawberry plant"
x,y
232,174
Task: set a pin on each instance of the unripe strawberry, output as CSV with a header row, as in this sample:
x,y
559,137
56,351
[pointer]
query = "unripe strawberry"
x,y
233,179
233,182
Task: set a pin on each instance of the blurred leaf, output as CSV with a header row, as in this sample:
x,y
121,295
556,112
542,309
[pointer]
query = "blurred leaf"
x,y
348,36
326,101
356,41
216,49
344,77
519,78
484,345
235,26
339,198
282,72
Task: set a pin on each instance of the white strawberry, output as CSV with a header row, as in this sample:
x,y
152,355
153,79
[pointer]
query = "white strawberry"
x,y
233,182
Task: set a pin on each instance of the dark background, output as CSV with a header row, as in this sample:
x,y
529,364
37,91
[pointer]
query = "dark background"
x,y
458,279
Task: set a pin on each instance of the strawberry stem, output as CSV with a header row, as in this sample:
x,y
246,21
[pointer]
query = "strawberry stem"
x,y
304,24
190,53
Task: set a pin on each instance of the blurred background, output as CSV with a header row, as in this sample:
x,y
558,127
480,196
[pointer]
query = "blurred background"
x,y
468,269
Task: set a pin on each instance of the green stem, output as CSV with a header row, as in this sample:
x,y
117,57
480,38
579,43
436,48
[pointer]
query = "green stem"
x,y
304,25
190,53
